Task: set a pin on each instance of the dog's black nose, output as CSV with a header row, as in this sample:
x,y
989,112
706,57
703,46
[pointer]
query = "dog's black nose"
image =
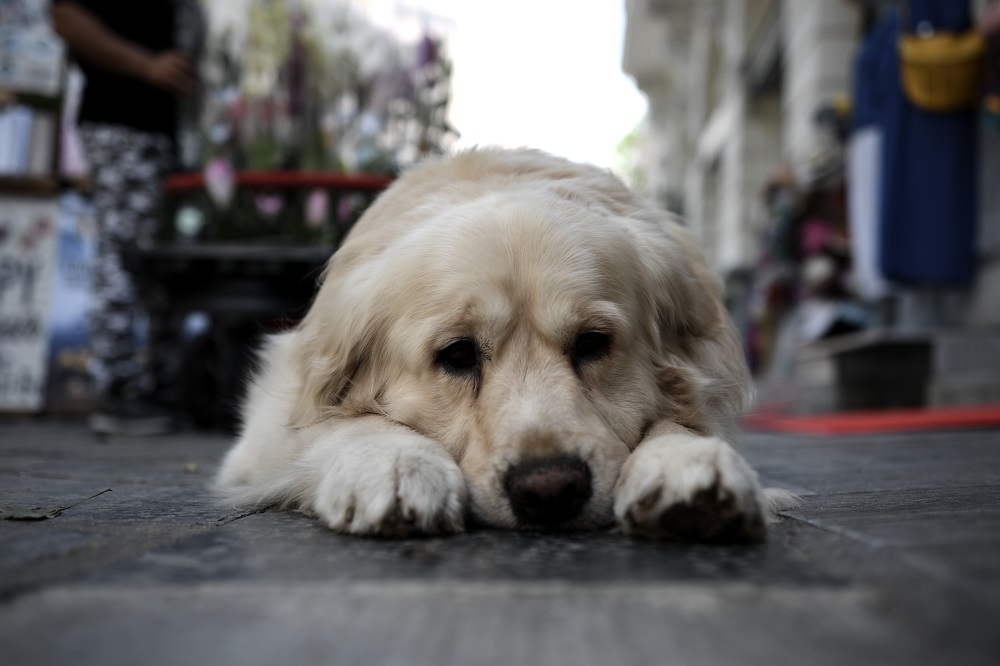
x,y
548,491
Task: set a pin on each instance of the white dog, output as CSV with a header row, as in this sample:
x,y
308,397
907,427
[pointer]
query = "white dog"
x,y
515,339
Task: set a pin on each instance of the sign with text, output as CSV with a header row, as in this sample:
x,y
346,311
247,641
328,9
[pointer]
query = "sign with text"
x,y
27,264
31,60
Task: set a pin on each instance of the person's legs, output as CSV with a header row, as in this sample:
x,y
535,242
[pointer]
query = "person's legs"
x,y
127,167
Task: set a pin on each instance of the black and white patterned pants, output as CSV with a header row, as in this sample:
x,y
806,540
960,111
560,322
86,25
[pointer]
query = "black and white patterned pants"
x,y
126,168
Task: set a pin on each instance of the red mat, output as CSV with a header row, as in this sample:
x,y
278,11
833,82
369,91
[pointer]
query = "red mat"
x,y
895,420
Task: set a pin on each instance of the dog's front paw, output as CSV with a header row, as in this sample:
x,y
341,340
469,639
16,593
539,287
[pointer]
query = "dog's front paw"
x,y
392,489
685,487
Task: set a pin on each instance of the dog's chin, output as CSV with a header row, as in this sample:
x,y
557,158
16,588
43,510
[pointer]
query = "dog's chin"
x,y
578,525
592,518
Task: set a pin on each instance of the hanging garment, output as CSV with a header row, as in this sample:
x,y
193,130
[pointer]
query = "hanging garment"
x,y
864,177
928,218
864,161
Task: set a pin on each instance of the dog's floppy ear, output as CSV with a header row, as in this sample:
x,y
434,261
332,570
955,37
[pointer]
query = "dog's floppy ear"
x,y
334,342
694,326
700,354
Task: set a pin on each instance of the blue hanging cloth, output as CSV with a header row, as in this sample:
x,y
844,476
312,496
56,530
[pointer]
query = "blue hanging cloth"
x,y
871,69
928,220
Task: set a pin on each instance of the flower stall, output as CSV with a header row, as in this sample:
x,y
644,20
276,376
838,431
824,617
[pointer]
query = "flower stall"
x,y
307,111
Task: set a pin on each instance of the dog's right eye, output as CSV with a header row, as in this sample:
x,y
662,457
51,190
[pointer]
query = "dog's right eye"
x,y
590,346
460,357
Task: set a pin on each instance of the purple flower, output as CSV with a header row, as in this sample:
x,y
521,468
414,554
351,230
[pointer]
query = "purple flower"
x,y
317,208
220,181
427,52
269,205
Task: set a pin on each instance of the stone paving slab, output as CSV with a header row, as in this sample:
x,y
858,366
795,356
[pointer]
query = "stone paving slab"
x,y
418,623
286,546
837,465
894,557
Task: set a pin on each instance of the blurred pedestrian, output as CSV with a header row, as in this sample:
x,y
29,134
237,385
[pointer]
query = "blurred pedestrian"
x,y
128,122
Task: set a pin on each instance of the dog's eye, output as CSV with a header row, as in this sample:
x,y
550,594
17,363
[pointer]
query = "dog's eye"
x,y
460,357
590,346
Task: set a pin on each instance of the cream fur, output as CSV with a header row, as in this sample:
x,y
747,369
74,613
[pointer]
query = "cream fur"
x,y
352,418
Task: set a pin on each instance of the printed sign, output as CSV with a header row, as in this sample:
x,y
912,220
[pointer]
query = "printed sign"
x,y
70,389
27,264
31,61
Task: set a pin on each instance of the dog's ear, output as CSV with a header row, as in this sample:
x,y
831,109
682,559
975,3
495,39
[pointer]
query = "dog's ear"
x,y
334,341
694,327
327,365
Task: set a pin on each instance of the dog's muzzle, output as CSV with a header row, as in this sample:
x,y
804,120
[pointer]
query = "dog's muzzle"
x,y
548,491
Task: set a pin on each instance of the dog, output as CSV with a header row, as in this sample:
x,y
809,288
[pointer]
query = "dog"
x,y
514,340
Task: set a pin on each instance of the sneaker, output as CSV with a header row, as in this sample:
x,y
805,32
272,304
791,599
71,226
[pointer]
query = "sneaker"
x,y
131,415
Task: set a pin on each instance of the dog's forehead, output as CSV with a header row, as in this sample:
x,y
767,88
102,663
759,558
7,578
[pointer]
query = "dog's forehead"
x,y
496,315
498,262
505,234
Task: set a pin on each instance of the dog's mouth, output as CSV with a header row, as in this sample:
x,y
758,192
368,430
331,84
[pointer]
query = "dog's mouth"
x,y
586,522
589,520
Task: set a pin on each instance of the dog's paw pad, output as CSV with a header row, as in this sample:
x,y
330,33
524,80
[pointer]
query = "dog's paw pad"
x,y
681,494
710,516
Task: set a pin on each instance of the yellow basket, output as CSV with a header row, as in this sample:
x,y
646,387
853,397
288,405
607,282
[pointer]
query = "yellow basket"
x,y
942,72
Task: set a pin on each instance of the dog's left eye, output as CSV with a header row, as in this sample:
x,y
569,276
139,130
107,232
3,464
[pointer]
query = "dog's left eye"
x,y
460,357
590,346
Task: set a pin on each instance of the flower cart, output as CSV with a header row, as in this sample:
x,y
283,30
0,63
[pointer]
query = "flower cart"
x,y
215,280
308,109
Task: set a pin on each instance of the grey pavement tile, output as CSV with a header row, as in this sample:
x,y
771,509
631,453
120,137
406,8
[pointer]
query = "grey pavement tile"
x,y
890,529
910,500
863,464
23,545
275,546
977,564
422,623
928,516
70,451
891,559
763,441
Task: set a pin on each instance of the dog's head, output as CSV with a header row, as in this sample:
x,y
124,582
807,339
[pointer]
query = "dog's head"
x,y
533,317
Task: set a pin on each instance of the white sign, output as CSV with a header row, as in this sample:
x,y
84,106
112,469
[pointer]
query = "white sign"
x,y
31,60
27,264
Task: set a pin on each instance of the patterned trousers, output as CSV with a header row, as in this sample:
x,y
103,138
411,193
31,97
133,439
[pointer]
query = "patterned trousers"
x,y
126,169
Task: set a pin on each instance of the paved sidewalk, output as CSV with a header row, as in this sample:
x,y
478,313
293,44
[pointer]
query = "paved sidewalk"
x,y
894,559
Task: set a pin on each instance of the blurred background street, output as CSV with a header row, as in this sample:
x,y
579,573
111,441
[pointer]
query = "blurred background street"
x,y
855,229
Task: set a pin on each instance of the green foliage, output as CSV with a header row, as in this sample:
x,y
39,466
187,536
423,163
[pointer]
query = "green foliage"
x,y
627,159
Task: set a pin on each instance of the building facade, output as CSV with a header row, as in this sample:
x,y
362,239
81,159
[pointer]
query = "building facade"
x,y
733,88
736,89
